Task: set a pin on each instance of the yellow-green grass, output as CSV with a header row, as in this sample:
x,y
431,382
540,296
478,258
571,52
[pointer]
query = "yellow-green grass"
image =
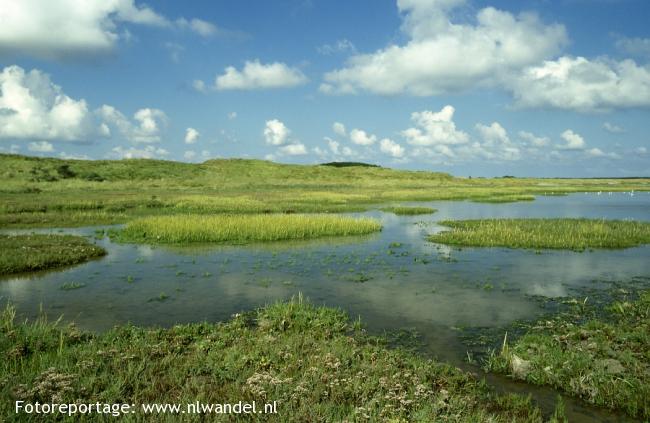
x,y
571,234
56,192
313,361
25,253
506,198
409,211
605,361
243,228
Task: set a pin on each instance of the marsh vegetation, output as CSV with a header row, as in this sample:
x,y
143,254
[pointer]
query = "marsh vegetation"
x,y
602,359
570,234
313,361
242,229
25,253
408,211
35,192
164,268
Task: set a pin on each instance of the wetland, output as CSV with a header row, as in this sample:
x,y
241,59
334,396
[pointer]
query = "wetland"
x,y
400,291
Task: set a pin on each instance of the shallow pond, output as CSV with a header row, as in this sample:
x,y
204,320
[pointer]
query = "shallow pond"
x,y
394,279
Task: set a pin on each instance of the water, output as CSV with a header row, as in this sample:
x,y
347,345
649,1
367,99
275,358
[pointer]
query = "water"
x,y
394,279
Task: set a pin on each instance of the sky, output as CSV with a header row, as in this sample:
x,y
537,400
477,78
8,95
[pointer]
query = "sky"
x,y
471,87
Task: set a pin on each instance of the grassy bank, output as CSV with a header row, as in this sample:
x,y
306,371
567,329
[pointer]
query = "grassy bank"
x,y
25,253
571,234
314,362
605,361
409,211
242,228
55,192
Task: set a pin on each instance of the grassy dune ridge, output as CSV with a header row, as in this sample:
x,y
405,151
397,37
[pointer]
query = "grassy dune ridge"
x,y
26,253
56,192
565,233
313,361
243,228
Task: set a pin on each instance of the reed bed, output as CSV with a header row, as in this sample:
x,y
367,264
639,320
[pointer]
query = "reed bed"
x,y
242,228
572,234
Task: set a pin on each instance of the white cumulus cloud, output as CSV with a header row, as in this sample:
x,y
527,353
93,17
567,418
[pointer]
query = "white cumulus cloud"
x,y
31,106
199,26
147,152
339,129
360,137
256,75
40,147
434,128
534,140
612,129
55,29
191,136
442,56
146,127
276,132
296,149
576,83
391,148
573,141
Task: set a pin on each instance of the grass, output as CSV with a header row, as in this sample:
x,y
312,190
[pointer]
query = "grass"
x,y
571,234
313,361
26,253
37,192
242,228
605,361
506,198
409,211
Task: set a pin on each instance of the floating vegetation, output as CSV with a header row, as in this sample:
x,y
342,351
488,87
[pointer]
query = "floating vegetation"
x,y
242,229
26,253
571,234
69,286
160,298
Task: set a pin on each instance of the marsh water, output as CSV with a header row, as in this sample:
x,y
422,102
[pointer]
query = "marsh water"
x,y
395,279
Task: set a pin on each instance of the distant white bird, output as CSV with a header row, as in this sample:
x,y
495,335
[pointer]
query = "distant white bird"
x,y
600,192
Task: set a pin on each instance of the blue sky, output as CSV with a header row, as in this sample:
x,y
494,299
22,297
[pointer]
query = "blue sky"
x,y
481,88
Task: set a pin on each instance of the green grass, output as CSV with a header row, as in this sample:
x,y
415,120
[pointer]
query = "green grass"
x,y
571,234
506,198
605,361
313,361
409,211
242,228
25,253
36,192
